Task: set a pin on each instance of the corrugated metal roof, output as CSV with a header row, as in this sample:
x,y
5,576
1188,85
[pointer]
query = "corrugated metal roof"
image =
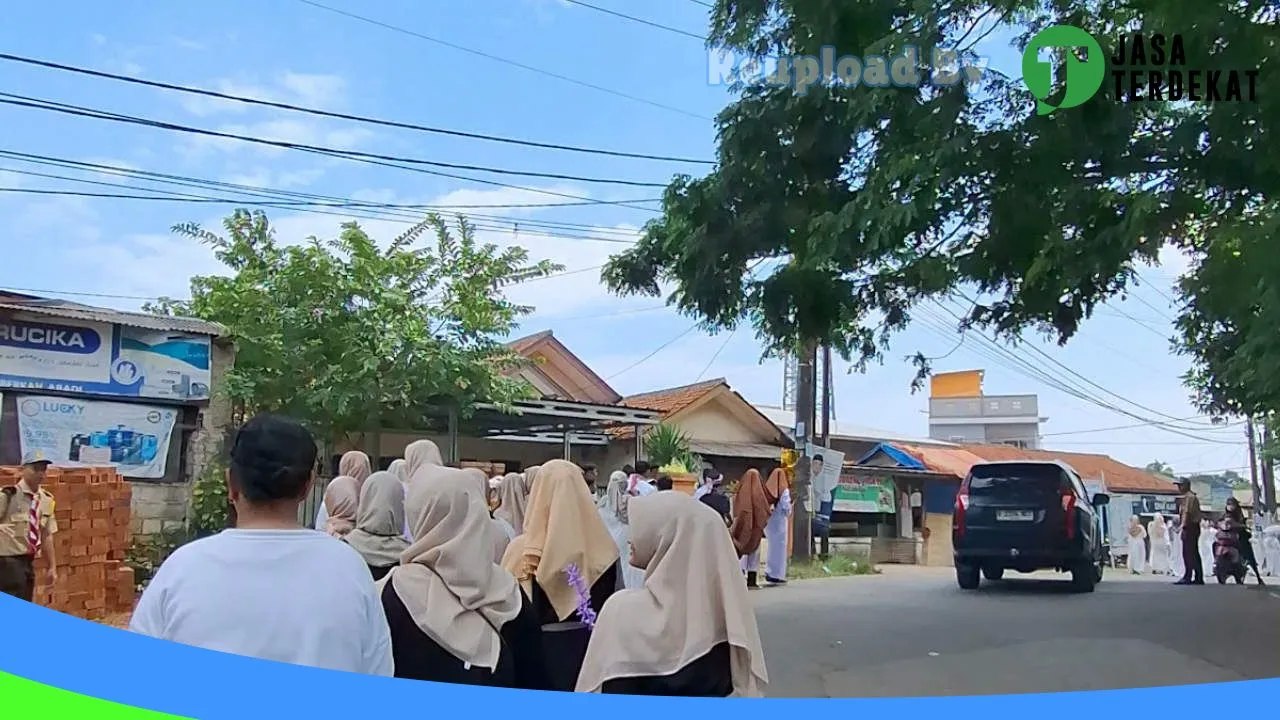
x,y
755,451
86,313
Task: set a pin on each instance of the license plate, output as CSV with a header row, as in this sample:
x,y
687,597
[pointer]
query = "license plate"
x,y
1015,515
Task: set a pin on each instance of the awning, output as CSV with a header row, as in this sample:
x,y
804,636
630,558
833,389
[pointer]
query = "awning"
x,y
755,451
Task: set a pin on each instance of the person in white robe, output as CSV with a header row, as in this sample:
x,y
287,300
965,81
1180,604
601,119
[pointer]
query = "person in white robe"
x,y
1137,546
776,530
613,511
1208,534
1271,549
1158,534
1178,565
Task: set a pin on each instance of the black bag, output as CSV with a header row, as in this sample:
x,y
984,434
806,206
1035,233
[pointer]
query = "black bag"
x,y
564,645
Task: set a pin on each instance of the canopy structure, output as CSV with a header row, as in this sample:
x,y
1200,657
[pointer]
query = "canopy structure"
x,y
567,422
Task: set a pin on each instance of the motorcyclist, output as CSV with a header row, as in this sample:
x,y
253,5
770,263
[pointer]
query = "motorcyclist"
x,y
1234,515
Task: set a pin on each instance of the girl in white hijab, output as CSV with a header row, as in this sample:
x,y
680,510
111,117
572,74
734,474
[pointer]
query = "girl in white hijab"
x,y
355,465
1178,566
1160,560
379,532
613,510
512,501
690,630
1137,546
500,533
1208,535
341,503
454,615
1271,550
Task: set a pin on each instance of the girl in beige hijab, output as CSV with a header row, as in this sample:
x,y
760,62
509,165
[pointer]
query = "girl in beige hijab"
x,y
530,474
454,615
419,455
690,630
398,468
512,500
355,465
341,502
500,533
562,528
379,531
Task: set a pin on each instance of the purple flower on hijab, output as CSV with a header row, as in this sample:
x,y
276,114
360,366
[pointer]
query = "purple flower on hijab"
x,y
579,585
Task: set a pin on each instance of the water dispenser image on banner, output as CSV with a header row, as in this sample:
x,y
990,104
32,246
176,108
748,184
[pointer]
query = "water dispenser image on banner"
x,y
132,438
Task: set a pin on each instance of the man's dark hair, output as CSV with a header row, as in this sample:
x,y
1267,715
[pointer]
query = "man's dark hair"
x,y
665,483
588,468
642,468
628,470
818,458
710,473
272,458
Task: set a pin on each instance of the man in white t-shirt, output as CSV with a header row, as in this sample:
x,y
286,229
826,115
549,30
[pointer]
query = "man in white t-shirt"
x,y
270,588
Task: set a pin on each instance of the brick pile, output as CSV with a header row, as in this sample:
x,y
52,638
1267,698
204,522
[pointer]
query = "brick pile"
x,y
92,510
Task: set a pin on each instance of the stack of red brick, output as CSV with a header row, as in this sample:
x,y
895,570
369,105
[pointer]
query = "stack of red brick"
x,y
92,510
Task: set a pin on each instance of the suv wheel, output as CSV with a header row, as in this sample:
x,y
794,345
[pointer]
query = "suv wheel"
x,y
1084,576
967,577
993,573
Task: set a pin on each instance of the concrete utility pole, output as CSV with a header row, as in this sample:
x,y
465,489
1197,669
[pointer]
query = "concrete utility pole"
x,y
1268,469
801,527
1254,486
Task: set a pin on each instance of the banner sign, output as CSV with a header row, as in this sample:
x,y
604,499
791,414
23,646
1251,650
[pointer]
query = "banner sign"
x,y
866,495
1152,504
39,353
824,473
132,438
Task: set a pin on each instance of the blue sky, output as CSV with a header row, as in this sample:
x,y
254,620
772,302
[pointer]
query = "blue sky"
x,y
289,51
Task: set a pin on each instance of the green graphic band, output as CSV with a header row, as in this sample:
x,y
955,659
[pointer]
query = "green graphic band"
x,y
22,698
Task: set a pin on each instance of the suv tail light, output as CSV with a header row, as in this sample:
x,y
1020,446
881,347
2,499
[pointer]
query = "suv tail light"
x,y
1069,511
962,504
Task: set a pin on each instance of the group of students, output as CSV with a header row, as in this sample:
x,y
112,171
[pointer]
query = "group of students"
x,y
418,575
1159,546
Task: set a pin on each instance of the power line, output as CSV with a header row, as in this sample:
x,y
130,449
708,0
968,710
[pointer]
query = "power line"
x,y
638,20
103,114
719,350
500,59
656,350
205,184
343,116
365,158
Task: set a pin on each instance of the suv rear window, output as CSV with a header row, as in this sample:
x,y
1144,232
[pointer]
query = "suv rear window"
x,y
1016,481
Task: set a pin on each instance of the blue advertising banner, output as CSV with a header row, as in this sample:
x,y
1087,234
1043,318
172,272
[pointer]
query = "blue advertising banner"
x,y
130,437
41,353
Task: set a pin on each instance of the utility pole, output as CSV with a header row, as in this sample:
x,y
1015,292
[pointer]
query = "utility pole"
x,y
801,527
1268,468
824,551
1254,486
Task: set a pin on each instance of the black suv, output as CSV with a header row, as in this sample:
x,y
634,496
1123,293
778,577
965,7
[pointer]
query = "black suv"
x,y
1027,516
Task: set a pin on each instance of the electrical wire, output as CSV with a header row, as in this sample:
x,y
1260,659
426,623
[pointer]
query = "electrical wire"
x,y
191,90
500,59
204,184
635,19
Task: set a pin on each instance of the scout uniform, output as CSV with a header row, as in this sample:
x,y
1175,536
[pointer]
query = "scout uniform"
x,y
25,518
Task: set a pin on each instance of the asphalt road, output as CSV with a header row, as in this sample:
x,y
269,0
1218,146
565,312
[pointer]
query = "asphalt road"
x,y
913,632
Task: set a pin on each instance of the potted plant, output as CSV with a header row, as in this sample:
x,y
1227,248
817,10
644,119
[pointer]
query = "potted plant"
x,y
669,450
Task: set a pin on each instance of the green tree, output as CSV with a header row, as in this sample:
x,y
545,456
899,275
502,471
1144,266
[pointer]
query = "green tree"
x,y
348,336
1160,468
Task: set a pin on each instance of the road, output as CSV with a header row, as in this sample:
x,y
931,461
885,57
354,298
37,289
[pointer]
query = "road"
x,y
912,632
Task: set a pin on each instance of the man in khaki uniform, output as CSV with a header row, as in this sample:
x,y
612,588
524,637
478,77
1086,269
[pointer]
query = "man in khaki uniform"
x,y
27,527
1193,573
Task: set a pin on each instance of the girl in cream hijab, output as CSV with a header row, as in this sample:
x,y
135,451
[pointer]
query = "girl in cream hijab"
x,y
1160,558
530,474
355,465
562,528
613,511
420,455
341,503
454,615
500,533
379,531
690,630
512,500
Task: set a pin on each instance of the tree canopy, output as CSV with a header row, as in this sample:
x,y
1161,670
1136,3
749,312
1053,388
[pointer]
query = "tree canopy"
x,y
349,336
865,201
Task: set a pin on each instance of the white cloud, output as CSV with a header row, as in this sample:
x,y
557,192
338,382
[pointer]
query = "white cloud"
x,y
293,131
264,178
